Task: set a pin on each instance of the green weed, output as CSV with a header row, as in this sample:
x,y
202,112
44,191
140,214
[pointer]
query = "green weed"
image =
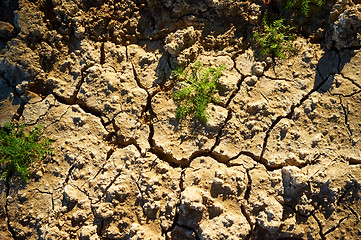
x,y
304,5
199,87
18,150
275,39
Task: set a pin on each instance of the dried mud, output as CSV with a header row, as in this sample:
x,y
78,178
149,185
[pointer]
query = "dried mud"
x,y
279,158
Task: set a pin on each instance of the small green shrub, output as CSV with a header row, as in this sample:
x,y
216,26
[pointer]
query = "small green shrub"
x,y
275,39
303,4
199,87
18,150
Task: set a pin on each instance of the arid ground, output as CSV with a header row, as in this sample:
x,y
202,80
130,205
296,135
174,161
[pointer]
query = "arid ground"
x,y
279,158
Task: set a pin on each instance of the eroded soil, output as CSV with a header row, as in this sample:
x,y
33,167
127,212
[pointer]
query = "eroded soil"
x,y
279,158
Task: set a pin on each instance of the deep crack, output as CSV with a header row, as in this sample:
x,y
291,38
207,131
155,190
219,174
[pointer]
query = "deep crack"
x,y
319,226
246,197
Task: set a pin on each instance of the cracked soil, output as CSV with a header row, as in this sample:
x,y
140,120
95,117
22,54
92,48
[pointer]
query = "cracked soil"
x,y
279,158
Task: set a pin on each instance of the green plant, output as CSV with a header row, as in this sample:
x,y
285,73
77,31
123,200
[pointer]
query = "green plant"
x,y
304,5
275,39
199,87
18,149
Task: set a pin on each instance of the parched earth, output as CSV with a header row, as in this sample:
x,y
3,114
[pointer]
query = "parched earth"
x,y
279,158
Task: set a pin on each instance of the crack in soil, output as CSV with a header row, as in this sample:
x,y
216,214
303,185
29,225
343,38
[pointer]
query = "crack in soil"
x,y
108,186
352,80
142,202
98,222
246,197
289,115
161,154
218,137
136,78
74,98
319,226
346,112
337,226
353,212
102,54
82,105
68,174
109,154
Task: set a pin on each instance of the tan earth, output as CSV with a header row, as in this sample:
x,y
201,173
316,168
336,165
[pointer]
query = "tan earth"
x,y
279,158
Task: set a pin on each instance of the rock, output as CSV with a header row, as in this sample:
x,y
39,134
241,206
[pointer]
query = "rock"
x,y
6,30
19,64
251,81
347,27
71,195
181,39
258,68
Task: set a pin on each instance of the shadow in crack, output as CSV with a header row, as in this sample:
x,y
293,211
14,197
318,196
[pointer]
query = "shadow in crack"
x,y
331,63
7,9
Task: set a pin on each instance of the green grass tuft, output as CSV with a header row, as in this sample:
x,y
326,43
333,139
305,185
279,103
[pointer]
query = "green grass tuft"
x,y
304,5
275,39
18,150
199,87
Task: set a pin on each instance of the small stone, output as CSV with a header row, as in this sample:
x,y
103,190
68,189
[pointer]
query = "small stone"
x,y
38,174
258,68
251,81
269,61
70,194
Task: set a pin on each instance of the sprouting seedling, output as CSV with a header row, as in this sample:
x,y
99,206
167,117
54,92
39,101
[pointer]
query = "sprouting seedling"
x,y
275,39
304,5
199,88
18,150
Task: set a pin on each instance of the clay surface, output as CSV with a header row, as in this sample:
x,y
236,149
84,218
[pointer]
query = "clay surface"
x,y
279,158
